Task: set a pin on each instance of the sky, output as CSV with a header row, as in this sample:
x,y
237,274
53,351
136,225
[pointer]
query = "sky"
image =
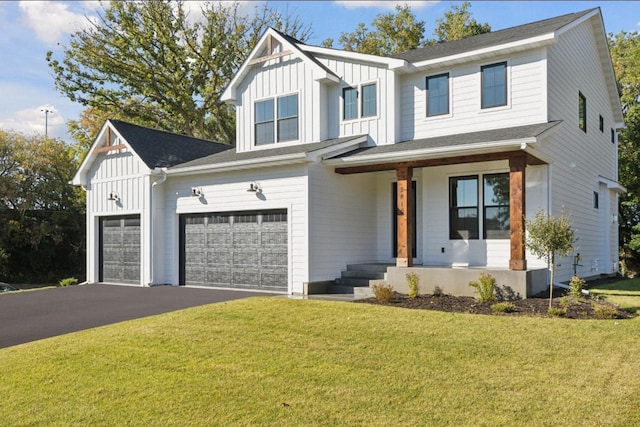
x,y
29,102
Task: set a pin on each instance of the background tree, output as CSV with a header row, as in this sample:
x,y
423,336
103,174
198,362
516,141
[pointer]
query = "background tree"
x,y
148,63
458,24
547,237
625,55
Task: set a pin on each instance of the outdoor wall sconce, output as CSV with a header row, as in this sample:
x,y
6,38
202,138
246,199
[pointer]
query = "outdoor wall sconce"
x,y
254,187
113,197
196,192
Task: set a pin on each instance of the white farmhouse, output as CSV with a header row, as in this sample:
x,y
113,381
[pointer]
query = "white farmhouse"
x,y
359,167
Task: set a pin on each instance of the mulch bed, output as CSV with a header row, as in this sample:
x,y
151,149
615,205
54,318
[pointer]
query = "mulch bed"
x,y
537,306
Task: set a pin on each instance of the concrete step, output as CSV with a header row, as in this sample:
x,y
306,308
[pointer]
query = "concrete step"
x,y
353,282
338,289
373,267
362,293
362,274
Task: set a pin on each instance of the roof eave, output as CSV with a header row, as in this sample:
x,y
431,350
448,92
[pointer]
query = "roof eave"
x,y
286,159
391,63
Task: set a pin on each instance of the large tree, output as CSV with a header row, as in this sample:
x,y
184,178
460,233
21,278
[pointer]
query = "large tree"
x,y
149,63
625,54
458,24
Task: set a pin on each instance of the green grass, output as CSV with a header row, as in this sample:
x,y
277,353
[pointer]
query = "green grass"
x,y
625,293
280,362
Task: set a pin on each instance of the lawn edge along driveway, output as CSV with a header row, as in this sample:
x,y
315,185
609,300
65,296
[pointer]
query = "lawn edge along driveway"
x,y
30,316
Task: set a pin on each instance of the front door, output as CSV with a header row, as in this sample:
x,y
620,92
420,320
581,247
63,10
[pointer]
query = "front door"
x,y
414,228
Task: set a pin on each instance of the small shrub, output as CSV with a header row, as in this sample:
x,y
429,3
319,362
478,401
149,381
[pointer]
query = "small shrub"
x,y
564,302
437,291
485,287
69,281
413,280
575,286
383,293
604,311
556,311
503,307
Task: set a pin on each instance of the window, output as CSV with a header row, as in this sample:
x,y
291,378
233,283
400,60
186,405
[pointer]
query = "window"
x,y
582,112
494,85
613,136
369,103
601,124
264,122
438,95
463,207
496,206
287,114
350,96
288,118
596,201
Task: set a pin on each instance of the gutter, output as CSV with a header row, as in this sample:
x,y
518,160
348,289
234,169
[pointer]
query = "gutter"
x,y
286,159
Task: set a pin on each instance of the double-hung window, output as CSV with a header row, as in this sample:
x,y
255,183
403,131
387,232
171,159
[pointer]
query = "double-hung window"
x,y
494,85
582,112
496,206
438,95
463,207
368,106
369,101
285,109
350,96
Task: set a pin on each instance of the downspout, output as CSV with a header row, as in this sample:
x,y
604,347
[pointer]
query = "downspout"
x,y
163,177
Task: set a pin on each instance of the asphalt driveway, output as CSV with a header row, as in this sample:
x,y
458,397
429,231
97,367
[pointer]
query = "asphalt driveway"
x,y
30,316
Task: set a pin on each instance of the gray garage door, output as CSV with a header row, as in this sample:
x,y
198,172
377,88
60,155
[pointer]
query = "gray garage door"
x,y
235,249
120,249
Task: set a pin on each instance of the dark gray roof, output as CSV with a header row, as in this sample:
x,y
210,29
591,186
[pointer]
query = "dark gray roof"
x,y
494,38
232,156
457,140
158,148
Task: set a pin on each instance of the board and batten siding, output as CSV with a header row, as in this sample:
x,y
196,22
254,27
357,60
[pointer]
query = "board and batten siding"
x,y
526,98
342,221
121,172
282,188
579,158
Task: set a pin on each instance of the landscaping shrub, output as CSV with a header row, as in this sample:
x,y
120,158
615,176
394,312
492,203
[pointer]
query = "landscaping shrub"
x,y
575,286
556,311
69,281
413,280
604,311
485,287
564,302
503,307
383,293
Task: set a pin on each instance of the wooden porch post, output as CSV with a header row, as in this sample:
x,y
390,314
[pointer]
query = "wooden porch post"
x,y
517,196
404,211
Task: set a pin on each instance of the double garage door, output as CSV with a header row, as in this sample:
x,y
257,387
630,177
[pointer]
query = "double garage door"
x,y
235,249
120,249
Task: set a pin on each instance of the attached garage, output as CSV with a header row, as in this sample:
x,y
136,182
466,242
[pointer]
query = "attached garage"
x,y
247,249
120,249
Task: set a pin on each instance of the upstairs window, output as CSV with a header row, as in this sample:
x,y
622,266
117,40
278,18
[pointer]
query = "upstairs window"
x,y
582,112
264,127
496,206
494,85
369,101
463,208
350,96
613,136
601,124
438,95
287,120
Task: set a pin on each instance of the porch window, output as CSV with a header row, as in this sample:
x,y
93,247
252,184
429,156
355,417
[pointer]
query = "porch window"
x,y
438,95
463,207
350,97
494,85
369,102
288,118
264,127
496,206
582,112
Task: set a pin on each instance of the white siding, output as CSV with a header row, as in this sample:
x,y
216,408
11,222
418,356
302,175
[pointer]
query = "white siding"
x,y
526,98
574,66
283,188
342,221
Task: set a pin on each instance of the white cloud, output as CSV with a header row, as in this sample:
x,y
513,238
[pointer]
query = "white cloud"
x,y
52,20
390,5
33,121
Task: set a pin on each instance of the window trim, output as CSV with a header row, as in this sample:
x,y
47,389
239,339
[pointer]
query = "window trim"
x,y
275,120
449,99
506,85
360,99
582,112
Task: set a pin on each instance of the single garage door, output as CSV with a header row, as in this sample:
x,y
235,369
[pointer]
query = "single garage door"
x,y
235,249
120,249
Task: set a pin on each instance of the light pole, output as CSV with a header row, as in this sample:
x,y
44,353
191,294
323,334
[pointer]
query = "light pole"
x,y
46,121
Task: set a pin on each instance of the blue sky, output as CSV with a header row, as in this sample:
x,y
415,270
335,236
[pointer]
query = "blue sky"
x,y
28,29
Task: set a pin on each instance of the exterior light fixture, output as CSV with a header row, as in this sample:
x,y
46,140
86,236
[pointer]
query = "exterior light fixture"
x,y
254,187
113,197
196,192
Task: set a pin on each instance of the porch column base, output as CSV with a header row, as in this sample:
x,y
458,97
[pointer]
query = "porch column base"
x,y
403,262
518,264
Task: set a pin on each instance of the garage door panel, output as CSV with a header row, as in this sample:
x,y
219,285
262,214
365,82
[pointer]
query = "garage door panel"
x,y
120,249
245,249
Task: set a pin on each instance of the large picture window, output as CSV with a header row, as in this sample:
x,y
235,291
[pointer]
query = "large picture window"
x,y
285,108
438,95
463,207
494,85
496,206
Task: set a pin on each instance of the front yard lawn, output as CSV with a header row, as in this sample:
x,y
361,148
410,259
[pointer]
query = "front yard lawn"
x,y
276,361
625,293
